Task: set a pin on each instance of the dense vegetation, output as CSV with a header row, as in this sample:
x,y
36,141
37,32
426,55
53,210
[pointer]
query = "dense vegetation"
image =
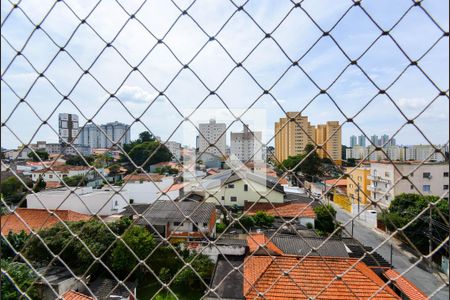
x,y
325,223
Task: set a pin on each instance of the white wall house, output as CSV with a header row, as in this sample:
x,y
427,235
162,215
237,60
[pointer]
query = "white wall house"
x,y
429,179
56,173
146,192
85,200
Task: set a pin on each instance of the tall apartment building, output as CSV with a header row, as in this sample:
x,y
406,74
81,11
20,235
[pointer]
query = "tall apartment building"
x,y
330,135
212,133
353,141
68,128
396,153
362,140
429,179
175,149
375,140
247,145
113,133
292,134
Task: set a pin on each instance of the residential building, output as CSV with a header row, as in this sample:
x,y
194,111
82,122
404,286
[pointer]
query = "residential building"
x,y
384,141
175,149
58,172
423,153
362,141
292,134
106,135
397,153
353,141
147,188
329,135
212,138
230,189
26,219
61,149
429,179
357,185
68,128
247,145
180,220
375,141
302,212
84,200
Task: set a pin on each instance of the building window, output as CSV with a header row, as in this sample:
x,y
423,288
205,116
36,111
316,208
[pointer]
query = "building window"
x,y
233,199
427,175
245,188
446,187
205,224
50,176
411,187
177,224
231,186
445,174
223,198
426,188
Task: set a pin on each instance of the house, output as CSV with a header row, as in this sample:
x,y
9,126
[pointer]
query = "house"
x,y
73,295
403,286
25,219
302,212
170,219
109,289
147,188
231,189
311,277
165,164
84,200
58,172
227,281
57,279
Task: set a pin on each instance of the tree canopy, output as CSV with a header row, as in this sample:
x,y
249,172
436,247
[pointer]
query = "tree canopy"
x,y
76,160
38,155
325,219
12,190
23,277
310,162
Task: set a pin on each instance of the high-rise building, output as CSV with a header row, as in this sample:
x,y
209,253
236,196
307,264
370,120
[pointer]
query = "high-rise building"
x,y
362,141
68,128
292,134
353,141
175,149
375,141
212,138
330,136
104,136
384,140
247,145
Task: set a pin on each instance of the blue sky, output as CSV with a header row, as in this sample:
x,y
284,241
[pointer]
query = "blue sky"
x,y
88,97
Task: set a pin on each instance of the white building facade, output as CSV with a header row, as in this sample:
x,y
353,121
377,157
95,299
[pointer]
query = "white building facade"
x,y
105,135
247,145
429,179
212,133
175,149
68,128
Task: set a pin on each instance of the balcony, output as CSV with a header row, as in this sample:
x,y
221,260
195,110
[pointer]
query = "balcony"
x,y
378,178
375,189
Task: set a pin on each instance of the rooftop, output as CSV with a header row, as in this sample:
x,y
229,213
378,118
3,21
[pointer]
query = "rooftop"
x,y
72,295
285,210
404,285
62,168
143,177
37,219
226,279
288,277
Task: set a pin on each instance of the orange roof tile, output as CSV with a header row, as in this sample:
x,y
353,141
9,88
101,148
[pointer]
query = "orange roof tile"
x,y
313,277
143,177
285,210
62,168
37,219
257,240
175,187
52,184
72,295
404,285
336,182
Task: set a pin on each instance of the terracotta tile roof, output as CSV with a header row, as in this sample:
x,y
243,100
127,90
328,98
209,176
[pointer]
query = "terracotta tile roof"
x,y
72,295
52,184
36,218
257,240
285,210
175,187
337,182
313,277
143,177
62,168
405,286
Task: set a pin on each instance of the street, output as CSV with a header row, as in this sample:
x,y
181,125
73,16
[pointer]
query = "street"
x,y
423,279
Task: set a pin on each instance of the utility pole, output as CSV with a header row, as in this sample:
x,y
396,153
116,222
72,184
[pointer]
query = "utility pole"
x,y
430,229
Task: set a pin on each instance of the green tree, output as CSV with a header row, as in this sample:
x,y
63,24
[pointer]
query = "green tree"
x,y
405,207
114,169
76,180
141,152
23,277
167,170
247,221
39,185
38,155
76,160
146,136
17,241
140,241
13,190
261,218
309,165
202,265
325,218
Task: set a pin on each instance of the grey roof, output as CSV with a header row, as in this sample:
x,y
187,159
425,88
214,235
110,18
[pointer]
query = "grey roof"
x,y
230,241
54,274
163,211
105,288
139,208
295,245
232,286
358,251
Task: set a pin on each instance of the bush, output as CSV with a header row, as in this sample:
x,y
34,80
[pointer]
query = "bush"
x,y
23,277
188,278
247,221
38,155
326,219
220,227
261,218
76,180
309,226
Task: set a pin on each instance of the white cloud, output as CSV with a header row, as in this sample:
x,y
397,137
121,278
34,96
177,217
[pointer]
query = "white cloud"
x,y
135,94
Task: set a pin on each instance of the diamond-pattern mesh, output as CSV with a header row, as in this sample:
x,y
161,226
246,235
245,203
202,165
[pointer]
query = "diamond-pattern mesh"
x,y
179,48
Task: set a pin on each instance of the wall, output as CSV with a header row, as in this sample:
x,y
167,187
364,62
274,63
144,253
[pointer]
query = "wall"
x,y
148,192
242,196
